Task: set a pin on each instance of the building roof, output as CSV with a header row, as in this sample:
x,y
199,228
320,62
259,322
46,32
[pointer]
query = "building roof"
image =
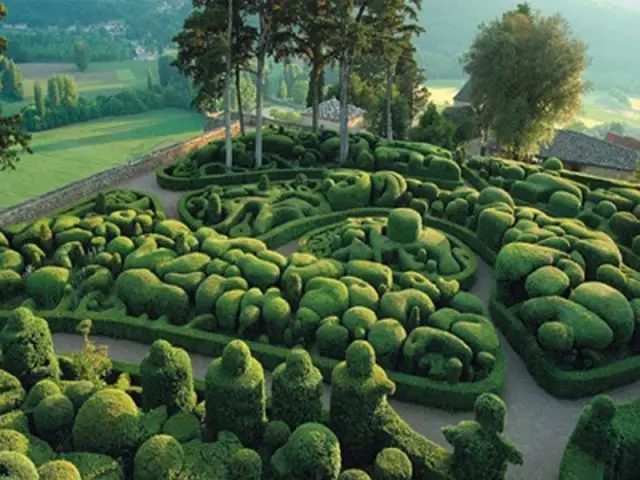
x,y
330,110
464,94
623,141
581,149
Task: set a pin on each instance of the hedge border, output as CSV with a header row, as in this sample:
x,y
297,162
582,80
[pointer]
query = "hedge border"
x,y
559,383
168,182
466,278
577,464
460,397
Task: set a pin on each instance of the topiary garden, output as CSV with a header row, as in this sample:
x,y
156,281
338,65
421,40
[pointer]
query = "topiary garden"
x,y
374,300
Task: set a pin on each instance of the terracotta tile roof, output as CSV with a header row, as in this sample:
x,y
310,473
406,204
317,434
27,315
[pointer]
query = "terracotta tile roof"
x,y
623,141
581,149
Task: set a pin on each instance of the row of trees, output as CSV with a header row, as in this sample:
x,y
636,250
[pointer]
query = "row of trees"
x,y
218,40
60,46
61,105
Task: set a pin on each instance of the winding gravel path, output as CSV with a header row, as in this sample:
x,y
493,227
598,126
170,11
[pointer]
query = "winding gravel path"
x,y
537,422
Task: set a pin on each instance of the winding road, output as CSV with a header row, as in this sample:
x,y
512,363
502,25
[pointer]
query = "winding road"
x,y
537,422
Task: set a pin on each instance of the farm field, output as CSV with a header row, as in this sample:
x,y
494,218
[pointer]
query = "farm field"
x,y
100,78
67,154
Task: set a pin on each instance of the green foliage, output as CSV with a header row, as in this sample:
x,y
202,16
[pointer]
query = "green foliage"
x,y
59,470
392,464
245,464
433,128
27,348
167,379
358,388
17,466
553,164
235,394
296,390
119,432
510,116
160,457
312,451
53,418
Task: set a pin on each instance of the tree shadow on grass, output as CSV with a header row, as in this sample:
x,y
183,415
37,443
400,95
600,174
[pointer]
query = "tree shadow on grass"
x,y
138,133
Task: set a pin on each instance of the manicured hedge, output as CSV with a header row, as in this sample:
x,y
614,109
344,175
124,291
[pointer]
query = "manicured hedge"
x,y
409,388
558,382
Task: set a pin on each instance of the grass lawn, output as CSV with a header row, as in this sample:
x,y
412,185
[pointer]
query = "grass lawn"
x,y
101,78
67,154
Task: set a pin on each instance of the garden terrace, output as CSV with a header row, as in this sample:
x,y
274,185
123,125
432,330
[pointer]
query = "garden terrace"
x,y
384,254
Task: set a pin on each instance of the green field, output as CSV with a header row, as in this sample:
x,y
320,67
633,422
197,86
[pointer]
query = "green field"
x,y
67,154
101,78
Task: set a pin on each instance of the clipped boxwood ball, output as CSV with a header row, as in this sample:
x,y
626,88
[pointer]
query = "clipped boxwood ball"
x,y
276,434
404,225
53,417
40,391
159,458
392,464
553,163
16,466
354,474
13,441
361,358
59,470
108,423
246,464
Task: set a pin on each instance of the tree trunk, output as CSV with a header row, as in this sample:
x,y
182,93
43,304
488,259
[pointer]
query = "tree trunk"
x,y
259,83
227,91
315,95
389,101
344,109
239,100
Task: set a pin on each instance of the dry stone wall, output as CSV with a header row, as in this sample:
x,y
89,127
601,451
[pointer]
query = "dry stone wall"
x,y
76,191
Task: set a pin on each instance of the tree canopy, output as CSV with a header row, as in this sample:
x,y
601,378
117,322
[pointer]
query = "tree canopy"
x,y
526,77
13,141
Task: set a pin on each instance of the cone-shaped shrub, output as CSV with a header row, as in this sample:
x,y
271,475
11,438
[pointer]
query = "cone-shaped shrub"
x,y
297,390
166,378
235,394
27,348
358,388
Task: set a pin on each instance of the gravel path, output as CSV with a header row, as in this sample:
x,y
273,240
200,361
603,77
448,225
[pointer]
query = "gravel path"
x,y
537,422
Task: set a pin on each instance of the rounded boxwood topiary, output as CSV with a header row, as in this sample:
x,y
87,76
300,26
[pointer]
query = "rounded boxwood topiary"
x,y
13,441
27,348
53,418
556,337
40,391
166,378
276,434
553,163
235,394
79,391
313,451
605,208
386,338
17,466
159,458
108,423
354,474
46,285
297,390
59,470
245,464
392,464
404,225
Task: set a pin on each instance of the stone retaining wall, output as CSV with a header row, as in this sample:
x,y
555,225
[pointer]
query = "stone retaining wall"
x,y
76,191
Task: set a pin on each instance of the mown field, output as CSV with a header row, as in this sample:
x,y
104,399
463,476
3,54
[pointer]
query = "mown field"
x,y
67,154
100,78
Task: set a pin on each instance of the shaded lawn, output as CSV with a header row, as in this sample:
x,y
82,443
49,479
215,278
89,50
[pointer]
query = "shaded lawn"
x,y
68,154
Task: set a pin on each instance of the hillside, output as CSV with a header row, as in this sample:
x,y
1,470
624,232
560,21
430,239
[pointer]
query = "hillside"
x,y
609,27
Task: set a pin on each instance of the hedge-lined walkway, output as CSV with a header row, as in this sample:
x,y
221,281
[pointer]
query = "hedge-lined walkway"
x,y
538,423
